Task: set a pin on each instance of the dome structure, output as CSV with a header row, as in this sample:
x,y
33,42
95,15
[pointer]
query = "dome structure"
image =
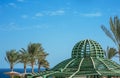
x,y
87,59
87,48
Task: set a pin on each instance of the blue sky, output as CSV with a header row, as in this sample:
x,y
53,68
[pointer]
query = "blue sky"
x,y
57,24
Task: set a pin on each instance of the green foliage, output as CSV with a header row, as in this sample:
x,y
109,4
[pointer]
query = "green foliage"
x,y
110,52
33,49
36,52
24,58
33,55
12,57
114,32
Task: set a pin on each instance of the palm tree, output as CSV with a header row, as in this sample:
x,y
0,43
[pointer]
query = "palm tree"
x,y
24,58
110,52
41,60
46,64
12,57
33,49
114,33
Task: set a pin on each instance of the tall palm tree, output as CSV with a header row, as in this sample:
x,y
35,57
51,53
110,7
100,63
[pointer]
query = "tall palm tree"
x,y
12,57
110,52
114,32
24,58
33,49
46,64
41,60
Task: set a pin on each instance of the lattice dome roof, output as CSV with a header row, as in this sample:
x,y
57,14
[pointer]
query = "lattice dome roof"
x,y
87,48
87,60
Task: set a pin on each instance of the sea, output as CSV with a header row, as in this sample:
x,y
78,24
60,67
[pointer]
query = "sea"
x,y
20,70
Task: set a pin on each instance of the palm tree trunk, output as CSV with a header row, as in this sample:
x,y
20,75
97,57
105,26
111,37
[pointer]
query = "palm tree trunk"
x,y
39,65
24,68
11,67
32,67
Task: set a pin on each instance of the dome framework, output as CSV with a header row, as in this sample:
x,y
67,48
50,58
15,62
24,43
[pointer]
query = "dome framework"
x,y
87,60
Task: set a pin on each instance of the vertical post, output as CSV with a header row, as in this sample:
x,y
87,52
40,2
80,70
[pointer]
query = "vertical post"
x,y
96,76
86,76
109,76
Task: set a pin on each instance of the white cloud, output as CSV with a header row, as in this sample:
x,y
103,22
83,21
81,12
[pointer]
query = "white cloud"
x,y
38,14
40,27
10,27
24,16
57,12
44,13
12,4
15,27
96,14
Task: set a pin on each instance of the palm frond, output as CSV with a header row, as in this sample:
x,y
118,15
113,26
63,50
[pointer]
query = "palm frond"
x,y
108,33
6,59
12,57
111,52
117,30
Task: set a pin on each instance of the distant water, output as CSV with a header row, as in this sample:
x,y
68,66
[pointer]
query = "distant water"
x,y
20,70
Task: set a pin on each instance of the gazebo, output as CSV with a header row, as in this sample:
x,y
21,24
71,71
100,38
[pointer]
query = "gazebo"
x,y
87,60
